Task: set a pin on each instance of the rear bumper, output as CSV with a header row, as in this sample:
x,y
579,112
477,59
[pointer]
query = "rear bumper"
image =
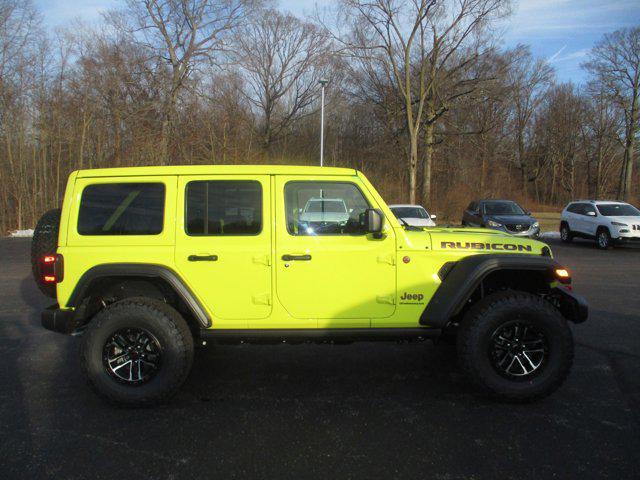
x,y
58,320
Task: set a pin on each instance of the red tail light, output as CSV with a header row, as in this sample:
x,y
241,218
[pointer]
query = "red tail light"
x,y
52,269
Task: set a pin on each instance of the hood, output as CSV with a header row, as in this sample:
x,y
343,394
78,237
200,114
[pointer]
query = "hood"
x,y
419,222
470,241
629,220
522,219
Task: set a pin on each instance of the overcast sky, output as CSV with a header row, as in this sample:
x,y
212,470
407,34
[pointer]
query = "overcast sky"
x,y
562,31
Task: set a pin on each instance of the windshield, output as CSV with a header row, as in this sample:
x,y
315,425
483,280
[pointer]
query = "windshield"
x,y
618,210
410,212
326,206
503,208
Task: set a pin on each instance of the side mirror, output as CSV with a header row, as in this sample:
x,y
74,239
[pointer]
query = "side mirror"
x,y
373,221
433,217
592,214
527,212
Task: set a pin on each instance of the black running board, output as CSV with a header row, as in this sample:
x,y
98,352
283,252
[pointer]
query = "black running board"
x,y
324,335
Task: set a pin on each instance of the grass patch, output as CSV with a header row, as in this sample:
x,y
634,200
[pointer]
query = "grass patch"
x,y
549,221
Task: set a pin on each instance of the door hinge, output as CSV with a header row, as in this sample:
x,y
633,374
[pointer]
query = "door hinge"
x,y
262,299
389,299
390,259
262,259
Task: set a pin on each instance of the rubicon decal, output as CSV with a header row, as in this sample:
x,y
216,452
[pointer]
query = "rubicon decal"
x,y
509,247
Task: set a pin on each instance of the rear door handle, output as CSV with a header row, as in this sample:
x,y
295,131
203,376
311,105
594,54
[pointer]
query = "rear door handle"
x,y
289,258
202,258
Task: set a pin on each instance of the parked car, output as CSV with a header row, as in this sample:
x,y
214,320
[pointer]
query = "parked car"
x,y
608,222
504,215
413,215
325,210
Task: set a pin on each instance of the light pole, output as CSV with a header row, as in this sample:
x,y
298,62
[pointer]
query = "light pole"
x,y
322,82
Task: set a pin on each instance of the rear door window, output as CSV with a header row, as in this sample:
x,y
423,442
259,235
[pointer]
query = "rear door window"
x,y
223,207
122,209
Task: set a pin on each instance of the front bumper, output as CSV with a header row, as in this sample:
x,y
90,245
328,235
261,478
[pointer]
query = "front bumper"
x,y
621,240
58,320
572,306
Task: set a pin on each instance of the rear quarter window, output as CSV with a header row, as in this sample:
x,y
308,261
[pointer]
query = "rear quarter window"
x,y
122,209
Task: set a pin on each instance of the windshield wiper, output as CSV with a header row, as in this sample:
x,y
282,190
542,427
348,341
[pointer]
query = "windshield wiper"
x,y
409,227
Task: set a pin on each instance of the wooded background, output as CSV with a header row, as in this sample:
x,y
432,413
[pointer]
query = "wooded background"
x,y
421,97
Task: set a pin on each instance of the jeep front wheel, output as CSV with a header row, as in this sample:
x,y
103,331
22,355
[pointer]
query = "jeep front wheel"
x,y
515,346
137,352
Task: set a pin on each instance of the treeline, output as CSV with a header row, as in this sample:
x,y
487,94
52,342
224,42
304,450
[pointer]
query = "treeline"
x,y
421,97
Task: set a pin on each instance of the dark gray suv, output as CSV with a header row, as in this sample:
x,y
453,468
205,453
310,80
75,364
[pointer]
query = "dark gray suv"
x,y
504,215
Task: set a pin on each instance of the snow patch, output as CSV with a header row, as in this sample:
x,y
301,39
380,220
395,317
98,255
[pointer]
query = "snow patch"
x,y
22,233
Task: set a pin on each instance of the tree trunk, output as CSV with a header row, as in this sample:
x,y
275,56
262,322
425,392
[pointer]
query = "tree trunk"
x,y
413,168
428,160
523,164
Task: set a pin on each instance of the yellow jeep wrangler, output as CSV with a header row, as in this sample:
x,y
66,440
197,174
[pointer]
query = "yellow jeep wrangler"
x,y
145,262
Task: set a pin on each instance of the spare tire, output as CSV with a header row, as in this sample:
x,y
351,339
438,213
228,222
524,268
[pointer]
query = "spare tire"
x,y
45,242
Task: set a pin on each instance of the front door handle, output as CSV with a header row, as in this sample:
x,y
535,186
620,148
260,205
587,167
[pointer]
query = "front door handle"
x,y
202,258
289,258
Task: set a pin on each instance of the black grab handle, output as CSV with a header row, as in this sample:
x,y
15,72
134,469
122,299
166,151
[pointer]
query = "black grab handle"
x,y
202,258
289,258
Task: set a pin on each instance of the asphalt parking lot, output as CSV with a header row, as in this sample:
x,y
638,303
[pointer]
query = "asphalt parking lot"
x,y
355,411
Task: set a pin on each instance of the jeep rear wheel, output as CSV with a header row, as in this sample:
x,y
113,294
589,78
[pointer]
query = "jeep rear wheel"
x,y
515,346
137,352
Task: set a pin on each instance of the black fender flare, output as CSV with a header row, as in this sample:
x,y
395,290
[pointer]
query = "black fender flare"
x,y
140,270
460,280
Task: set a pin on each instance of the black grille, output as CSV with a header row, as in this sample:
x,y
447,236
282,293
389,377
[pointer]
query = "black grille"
x,y
518,227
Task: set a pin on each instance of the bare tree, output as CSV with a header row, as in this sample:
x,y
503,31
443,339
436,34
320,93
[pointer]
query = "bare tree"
x,y
615,63
387,34
601,124
184,32
282,59
20,38
529,79
456,42
416,47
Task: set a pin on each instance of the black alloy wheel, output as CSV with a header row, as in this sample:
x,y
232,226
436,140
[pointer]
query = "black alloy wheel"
x,y
518,350
132,356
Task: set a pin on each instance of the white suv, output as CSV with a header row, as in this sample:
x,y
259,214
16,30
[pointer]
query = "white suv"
x,y
607,222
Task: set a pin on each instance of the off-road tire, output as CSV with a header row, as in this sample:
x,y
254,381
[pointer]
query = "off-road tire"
x,y
486,317
163,322
565,233
45,242
603,239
